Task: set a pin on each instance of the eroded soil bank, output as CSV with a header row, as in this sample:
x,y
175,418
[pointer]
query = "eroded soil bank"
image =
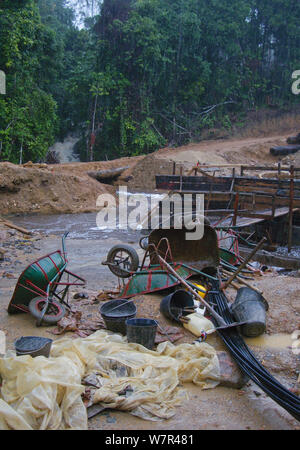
x,y
220,408
73,188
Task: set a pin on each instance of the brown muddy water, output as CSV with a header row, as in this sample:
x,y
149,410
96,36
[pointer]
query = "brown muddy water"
x,y
277,341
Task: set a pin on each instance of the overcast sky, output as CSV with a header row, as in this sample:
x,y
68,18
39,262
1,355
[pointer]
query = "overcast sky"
x,y
84,8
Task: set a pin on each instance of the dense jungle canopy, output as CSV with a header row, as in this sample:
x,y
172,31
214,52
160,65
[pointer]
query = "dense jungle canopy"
x,y
130,76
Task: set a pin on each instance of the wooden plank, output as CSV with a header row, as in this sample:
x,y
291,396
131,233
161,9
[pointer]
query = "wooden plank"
x,y
270,259
221,199
291,208
261,200
284,193
219,194
265,168
170,182
255,215
230,166
244,181
16,227
247,221
197,183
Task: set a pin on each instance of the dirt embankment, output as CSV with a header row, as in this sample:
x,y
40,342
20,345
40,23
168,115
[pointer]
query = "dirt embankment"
x,y
227,151
250,151
44,190
71,188
85,167
50,189
141,176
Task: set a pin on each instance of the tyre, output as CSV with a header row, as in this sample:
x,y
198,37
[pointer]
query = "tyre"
x,y
124,259
53,314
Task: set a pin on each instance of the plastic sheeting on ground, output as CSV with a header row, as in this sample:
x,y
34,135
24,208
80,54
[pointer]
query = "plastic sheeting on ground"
x,y
45,393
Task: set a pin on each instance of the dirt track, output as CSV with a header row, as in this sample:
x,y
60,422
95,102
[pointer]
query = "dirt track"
x,y
231,151
68,188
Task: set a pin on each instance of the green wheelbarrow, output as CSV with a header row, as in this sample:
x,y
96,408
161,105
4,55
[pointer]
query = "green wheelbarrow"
x,y
187,258
42,289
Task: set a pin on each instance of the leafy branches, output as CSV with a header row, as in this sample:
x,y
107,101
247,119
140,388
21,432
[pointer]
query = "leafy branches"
x,y
141,73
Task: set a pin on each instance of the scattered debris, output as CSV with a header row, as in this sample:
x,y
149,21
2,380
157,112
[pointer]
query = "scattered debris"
x,y
105,295
15,227
230,374
131,389
8,275
80,296
68,323
2,253
169,333
80,326
109,385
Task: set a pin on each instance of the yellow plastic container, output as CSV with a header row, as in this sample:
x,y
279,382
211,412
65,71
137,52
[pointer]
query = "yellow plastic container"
x,y
197,324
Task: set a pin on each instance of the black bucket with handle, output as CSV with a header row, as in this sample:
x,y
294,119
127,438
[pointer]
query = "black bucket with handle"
x,y
33,346
116,312
172,306
250,306
141,331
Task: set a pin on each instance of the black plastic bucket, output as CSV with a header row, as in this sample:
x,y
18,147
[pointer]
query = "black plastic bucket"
x,y
250,306
141,331
172,306
33,346
116,312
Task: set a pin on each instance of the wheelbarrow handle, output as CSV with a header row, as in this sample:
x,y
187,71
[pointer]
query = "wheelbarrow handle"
x,y
63,244
220,320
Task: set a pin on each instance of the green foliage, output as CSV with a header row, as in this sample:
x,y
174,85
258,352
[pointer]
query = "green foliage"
x,y
27,113
142,73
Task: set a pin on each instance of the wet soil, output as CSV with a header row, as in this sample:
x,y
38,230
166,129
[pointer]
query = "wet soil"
x,y
220,408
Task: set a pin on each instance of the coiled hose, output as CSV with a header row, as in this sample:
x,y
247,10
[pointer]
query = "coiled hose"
x,y
247,361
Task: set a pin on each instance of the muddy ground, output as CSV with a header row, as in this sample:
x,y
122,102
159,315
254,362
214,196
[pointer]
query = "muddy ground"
x,y
68,188
220,408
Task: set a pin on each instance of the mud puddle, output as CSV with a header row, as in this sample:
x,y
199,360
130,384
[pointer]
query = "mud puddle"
x,y
275,341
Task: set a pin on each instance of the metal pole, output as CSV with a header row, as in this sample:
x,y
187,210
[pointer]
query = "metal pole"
x,y
236,206
290,231
210,309
241,267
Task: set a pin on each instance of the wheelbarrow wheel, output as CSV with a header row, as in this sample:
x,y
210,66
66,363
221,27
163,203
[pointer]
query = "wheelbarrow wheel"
x,y
53,314
122,260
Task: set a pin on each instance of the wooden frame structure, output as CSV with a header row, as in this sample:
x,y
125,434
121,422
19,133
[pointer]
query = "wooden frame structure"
x,y
260,198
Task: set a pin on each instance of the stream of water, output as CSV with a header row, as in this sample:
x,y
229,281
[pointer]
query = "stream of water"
x,y
80,226
65,149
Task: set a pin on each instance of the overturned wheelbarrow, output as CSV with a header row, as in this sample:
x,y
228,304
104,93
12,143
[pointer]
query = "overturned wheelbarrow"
x,y
187,258
200,254
42,290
